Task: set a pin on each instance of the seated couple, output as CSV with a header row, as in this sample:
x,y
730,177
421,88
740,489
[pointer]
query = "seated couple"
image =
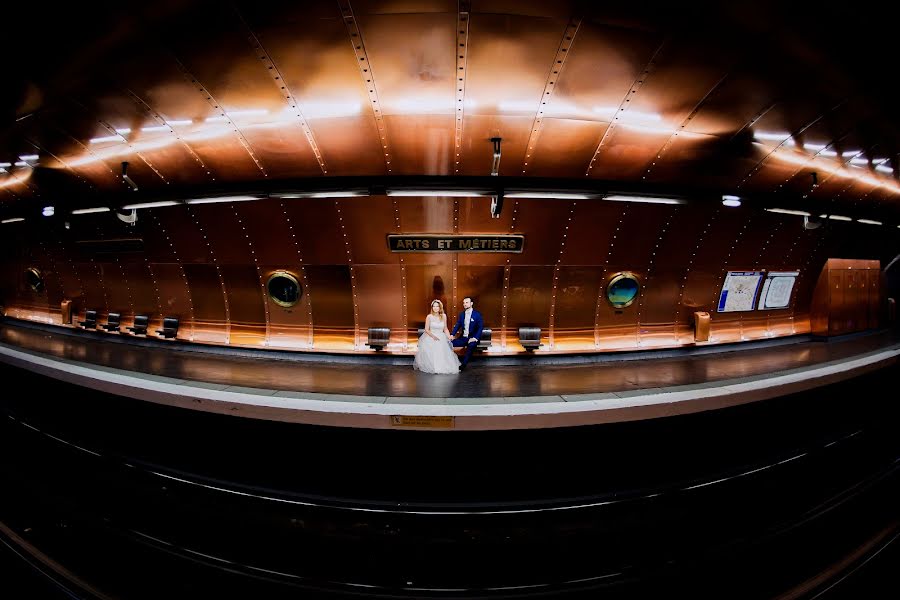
x,y
435,353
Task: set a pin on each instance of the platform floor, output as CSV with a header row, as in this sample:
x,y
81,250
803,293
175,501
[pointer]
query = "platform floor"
x,y
538,392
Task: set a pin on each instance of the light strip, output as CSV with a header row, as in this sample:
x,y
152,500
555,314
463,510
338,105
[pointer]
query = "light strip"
x,y
12,220
835,217
5,164
643,199
158,204
180,122
156,128
787,211
124,131
340,194
222,199
884,169
557,195
107,138
439,193
869,222
29,157
21,163
87,211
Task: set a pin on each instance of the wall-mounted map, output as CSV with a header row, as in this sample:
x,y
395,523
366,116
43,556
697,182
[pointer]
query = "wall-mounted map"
x,y
776,290
739,291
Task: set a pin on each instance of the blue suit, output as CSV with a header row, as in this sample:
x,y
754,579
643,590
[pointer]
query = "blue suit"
x,y
476,324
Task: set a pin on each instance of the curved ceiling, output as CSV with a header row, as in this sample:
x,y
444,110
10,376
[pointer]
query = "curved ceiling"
x,y
196,97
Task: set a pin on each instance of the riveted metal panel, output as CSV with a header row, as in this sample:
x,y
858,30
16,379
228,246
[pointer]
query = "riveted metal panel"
x,y
332,306
378,287
246,305
208,302
367,221
529,297
315,222
543,222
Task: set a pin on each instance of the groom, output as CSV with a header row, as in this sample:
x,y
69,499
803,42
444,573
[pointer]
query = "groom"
x,y
469,324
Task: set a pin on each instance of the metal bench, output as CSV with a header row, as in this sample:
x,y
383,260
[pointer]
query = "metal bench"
x,y
169,328
379,337
141,322
530,337
90,319
484,342
113,321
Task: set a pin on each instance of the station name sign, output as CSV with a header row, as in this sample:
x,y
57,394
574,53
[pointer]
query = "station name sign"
x,y
512,243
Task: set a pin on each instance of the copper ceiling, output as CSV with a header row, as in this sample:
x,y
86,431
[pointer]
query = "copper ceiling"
x,y
196,97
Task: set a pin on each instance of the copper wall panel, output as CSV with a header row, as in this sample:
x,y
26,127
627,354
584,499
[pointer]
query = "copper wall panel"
x,y
626,152
181,232
529,298
485,286
332,305
281,146
543,221
226,235
475,216
247,311
319,69
115,286
565,148
289,327
316,225
425,283
94,293
379,303
576,302
421,144
733,105
208,303
143,291
601,67
477,149
426,215
367,221
591,231
414,71
270,233
175,296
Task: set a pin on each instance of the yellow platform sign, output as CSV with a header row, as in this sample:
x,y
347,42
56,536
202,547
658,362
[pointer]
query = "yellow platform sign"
x,y
430,421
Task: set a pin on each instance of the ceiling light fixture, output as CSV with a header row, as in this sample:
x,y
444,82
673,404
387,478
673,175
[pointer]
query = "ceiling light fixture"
x,y
157,204
48,211
441,193
732,201
556,195
643,199
334,194
222,199
869,222
787,211
12,220
29,157
87,211
835,217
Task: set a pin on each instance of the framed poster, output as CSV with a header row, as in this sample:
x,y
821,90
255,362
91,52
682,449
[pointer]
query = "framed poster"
x,y
739,291
776,290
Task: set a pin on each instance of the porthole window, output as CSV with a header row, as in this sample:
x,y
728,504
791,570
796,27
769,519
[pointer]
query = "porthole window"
x,y
622,290
284,289
34,279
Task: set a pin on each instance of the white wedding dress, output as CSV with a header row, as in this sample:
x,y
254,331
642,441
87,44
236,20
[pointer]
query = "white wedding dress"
x,y
435,355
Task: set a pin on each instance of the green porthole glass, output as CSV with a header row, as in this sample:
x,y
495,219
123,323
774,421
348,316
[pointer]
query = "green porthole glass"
x,y
623,289
34,279
284,289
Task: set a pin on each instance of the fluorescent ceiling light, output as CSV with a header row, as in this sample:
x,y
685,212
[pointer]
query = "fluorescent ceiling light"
x,y
643,199
884,169
48,211
219,119
869,222
828,153
246,113
158,204
178,122
557,195
87,211
335,194
107,138
772,137
835,217
12,220
859,161
5,164
221,199
29,157
124,131
21,163
440,193
732,201
2,170
787,211
815,146
156,128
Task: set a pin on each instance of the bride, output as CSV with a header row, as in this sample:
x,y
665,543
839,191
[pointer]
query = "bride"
x,y
435,353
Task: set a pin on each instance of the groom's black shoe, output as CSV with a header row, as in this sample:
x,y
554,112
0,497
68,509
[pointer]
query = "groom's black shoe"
x,y
462,367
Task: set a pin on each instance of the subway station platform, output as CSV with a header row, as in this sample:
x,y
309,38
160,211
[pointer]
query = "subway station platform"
x,y
386,393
